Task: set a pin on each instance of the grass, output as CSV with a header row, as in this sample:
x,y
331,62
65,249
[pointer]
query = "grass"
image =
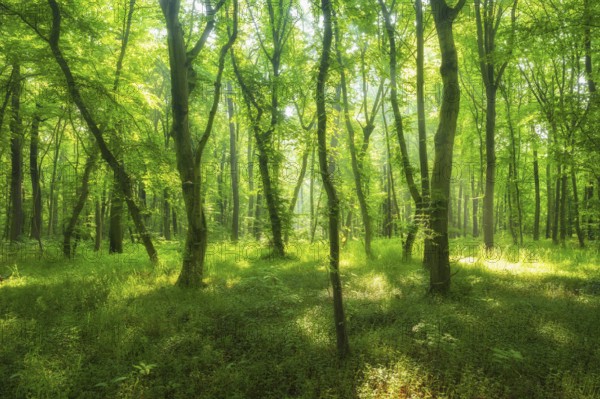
x,y
521,325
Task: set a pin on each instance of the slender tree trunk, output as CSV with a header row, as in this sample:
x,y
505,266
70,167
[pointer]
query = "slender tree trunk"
x,y
343,346
512,217
459,209
398,125
166,215
257,217
536,181
589,196
115,226
16,152
475,195
251,187
490,174
79,204
563,206
298,187
465,213
36,191
578,230
549,200
556,207
99,219
52,200
233,163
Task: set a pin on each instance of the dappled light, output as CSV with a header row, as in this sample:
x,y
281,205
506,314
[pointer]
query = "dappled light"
x,y
295,199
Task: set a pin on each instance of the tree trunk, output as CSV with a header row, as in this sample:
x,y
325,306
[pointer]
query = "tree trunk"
x,y
465,213
563,207
490,174
343,347
99,219
251,188
166,215
549,198
257,217
36,191
536,181
16,157
115,226
233,163
123,177
189,159
578,230
556,207
475,196
398,125
298,187
81,200
52,198
439,256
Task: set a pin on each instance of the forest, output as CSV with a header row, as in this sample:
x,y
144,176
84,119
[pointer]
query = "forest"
x,y
299,199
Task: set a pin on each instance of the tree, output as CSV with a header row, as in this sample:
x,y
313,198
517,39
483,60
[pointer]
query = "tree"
x,y
439,256
189,159
16,152
123,177
492,70
279,28
343,346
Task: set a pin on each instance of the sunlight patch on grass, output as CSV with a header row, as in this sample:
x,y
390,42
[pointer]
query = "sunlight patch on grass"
x,y
402,380
313,324
372,286
556,332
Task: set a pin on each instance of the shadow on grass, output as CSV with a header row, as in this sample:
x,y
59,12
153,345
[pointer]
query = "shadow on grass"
x,y
263,328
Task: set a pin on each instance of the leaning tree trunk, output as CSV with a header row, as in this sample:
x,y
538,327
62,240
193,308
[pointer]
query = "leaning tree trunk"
x,y
81,200
343,346
124,179
398,125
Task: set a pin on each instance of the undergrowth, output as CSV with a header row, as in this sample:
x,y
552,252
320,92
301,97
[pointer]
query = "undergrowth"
x,y
518,326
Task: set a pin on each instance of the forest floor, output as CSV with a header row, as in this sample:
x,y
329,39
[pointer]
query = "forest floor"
x,y
522,324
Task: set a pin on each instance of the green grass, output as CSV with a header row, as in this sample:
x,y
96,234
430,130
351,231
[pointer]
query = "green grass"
x,y
524,325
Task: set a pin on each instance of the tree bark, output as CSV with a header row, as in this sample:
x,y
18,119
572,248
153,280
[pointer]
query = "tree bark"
x,y
189,160
343,347
563,206
34,172
16,157
166,215
398,125
90,164
233,164
491,72
549,198
439,257
357,168
115,225
536,181
578,230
